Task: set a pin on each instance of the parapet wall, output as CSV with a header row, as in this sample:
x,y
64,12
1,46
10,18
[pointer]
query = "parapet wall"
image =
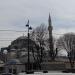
x,y
53,66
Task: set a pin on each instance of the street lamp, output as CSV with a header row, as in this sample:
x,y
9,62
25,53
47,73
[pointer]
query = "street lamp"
x,y
29,28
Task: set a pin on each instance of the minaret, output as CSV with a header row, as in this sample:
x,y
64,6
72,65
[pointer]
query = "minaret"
x,y
50,28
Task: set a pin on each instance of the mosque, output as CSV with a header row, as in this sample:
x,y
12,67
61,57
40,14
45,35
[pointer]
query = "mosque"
x,y
16,58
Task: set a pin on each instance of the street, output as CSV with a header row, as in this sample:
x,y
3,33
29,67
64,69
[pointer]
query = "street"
x,y
49,73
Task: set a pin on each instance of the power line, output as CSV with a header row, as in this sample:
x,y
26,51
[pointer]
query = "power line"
x,y
58,34
6,40
23,31
14,30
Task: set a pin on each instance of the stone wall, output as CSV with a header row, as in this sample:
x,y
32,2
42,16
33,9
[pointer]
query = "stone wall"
x,y
53,66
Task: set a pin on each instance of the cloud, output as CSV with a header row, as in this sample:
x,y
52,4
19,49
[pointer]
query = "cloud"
x,y
15,13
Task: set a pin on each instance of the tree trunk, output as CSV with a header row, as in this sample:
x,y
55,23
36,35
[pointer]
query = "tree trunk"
x,y
71,62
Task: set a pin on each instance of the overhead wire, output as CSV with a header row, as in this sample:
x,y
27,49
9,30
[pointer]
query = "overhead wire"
x,y
11,39
23,31
6,40
13,30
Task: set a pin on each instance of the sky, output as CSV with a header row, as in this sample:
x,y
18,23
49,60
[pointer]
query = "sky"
x,y
14,15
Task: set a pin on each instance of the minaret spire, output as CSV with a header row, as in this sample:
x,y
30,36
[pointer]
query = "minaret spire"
x,y
49,20
50,23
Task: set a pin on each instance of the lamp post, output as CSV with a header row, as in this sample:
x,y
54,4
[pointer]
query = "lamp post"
x,y
29,28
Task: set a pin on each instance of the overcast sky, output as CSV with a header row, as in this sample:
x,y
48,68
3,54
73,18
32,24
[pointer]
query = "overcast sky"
x,y
15,13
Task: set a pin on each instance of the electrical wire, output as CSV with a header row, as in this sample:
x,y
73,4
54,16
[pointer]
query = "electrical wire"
x,y
11,39
23,31
6,40
13,30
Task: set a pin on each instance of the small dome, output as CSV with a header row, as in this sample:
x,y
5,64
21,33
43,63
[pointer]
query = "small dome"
x,y
13,49
13,61
24,58
62,52
1,61
22,37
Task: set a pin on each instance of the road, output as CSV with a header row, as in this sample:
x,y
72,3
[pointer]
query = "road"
x,y
49,73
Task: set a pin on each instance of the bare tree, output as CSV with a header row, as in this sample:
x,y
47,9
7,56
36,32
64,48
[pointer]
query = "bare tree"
x,y
39,35
67,42
55,51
